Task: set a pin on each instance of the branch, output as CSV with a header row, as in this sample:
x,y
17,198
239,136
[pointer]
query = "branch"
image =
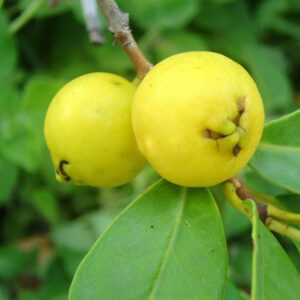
x,y
243,193
236,193
92,21
283,229
118,24
283,215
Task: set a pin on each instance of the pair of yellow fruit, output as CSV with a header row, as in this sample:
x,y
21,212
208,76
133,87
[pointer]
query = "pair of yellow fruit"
x,y
197,117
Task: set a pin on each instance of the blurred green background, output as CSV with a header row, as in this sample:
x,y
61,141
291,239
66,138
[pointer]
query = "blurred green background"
x,y
47,227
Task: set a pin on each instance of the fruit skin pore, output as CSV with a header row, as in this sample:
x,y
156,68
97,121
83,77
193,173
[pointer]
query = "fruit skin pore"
x,y
198,118
89,133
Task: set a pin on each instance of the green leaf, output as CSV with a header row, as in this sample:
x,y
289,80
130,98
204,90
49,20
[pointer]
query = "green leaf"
x,y
272,81
277,158
12,262
273,274
171,43
255,182
275,15
8,179
22,144
55,282
160,14
46,204
75,235
236,36
38,93
10,104
233,293
232,217
20,139
8,53
240,262
45,10
167,244
297,245
289,202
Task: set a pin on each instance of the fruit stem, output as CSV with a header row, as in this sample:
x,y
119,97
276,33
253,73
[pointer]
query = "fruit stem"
x,y
118,24
236,193
243,194
283,229
283,215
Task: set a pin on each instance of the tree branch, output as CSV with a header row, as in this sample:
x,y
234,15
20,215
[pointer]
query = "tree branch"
x,y
244,194
236,193
283,229
92,21
118,24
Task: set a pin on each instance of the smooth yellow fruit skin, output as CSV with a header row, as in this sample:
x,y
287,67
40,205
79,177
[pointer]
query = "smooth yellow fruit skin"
x,y
89,133
184,115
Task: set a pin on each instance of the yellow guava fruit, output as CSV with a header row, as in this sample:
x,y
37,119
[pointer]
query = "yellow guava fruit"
x,y
89,133
198,118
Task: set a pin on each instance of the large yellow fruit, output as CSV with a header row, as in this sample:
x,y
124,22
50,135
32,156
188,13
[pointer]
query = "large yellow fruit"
x,y
198,118
89,134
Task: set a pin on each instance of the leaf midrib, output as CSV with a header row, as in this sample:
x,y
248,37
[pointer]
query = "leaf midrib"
x,y
170,246
279,147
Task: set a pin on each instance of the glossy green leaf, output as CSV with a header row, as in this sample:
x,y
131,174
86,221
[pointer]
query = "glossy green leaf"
x,y
273,274
277,158
255,182
168,244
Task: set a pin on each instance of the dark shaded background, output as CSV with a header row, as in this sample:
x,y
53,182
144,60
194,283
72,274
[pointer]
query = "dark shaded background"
x,y
47,227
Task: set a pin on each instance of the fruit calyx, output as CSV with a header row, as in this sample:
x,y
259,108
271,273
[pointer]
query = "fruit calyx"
x,y
238,130
61,174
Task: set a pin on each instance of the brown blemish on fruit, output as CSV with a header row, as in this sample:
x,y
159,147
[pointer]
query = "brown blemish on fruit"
x,y
236,150
116,82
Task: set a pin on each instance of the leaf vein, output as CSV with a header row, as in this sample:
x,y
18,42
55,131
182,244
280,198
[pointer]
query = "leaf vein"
x,y
170,246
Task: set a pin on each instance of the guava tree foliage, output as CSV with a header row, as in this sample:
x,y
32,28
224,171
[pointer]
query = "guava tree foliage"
x,y
169,243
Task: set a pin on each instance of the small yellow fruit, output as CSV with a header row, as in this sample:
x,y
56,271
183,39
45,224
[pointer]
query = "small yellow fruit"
x,y
89,133
198,118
